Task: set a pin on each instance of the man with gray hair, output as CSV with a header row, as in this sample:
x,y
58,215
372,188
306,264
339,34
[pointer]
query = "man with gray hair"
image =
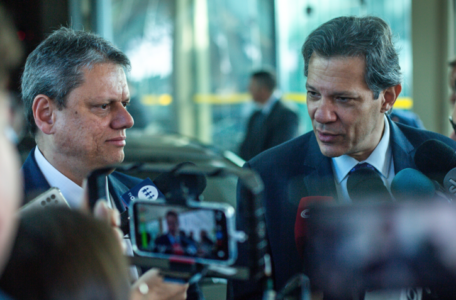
x,y
353,79
75,97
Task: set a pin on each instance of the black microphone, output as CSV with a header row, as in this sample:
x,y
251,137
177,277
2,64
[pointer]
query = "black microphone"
x,y
438,162
365,184
411,184
177,185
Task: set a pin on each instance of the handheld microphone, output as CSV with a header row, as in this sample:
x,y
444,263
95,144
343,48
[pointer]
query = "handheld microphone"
x,y
301,219
412,184
366,185
438,161
175,185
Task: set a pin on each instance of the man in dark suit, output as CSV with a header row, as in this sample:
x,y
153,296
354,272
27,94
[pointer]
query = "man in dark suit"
x,y
272,123
174,241
353,79
75,96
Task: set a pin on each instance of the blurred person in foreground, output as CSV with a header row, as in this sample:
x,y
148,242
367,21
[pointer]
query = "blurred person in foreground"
x,y
272,123
353,80
75,96
51,259
10,187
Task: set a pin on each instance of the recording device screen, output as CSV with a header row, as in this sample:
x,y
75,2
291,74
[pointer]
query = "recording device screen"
x,y
384,246
196,233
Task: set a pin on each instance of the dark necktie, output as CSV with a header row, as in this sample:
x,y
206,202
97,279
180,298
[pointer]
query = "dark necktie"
x,y
365,184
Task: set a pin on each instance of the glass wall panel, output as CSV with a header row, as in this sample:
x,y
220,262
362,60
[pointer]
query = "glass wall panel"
x,y
191,59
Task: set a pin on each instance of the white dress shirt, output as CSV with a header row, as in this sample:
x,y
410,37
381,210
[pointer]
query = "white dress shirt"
x,y
381,159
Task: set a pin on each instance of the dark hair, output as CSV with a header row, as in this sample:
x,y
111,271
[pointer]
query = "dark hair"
x,y
11,50
64,254
171,213
265,78
55,67
366,37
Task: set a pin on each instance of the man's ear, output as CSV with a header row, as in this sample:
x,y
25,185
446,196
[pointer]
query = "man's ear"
x,y
389,97
43,112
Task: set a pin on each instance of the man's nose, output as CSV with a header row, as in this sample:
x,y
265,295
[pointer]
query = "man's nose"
x,y
325,112
122,118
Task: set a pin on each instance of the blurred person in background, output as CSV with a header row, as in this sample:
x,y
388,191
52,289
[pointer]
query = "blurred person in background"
x,y
272,123
452,82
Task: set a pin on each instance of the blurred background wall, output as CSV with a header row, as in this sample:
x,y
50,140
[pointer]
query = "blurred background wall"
x,y
191,59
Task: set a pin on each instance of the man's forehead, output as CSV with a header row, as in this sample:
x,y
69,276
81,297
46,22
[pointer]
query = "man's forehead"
x,y
337,71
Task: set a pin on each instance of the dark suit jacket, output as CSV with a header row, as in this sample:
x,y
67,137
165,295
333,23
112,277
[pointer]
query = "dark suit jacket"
x,y
280,125
298,169
35,183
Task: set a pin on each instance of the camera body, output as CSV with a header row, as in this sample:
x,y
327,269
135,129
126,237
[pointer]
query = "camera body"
x,y
193,232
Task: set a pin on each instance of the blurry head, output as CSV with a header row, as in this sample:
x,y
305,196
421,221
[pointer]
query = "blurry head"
x,y
75,95
172,221
353,78
10,182
262,85
452,81
64,254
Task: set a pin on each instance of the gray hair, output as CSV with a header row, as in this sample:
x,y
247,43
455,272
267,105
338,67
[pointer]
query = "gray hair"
x,y
366,37
55,67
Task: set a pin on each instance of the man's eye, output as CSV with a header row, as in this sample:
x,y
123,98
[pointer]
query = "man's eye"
x,y
312,94
104,106
343,99
125,104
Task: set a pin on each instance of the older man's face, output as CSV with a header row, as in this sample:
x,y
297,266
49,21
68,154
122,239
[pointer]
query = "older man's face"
x,y
90,130
345,117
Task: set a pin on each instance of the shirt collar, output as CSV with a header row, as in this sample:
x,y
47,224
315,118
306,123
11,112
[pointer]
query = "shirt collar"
x,y
70,190
267,106
380,158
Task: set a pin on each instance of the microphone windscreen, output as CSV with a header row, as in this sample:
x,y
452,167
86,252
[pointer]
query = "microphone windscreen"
x,y
435,159
366,185
173,182
301,219
412,184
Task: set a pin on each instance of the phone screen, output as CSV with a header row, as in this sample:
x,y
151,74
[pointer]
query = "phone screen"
x,y
163,230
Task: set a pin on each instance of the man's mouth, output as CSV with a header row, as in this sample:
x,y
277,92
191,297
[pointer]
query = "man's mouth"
x,y
326,137
119,141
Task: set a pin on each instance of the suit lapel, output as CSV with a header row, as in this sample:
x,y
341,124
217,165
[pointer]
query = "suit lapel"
x,y
319,180
34,181
402,149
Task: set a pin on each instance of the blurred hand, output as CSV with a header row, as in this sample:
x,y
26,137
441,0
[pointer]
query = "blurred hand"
x,y
151,286
103,212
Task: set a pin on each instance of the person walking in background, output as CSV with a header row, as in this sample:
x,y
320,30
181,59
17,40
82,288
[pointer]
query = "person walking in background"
x,y
272,123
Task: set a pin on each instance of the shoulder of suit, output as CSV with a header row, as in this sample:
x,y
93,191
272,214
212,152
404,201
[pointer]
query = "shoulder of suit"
x,y
418,136
284,153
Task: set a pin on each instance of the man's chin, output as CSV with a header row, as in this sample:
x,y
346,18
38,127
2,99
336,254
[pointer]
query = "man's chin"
x,y
330,151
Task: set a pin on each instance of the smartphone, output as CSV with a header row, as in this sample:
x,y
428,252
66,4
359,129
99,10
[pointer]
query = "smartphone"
x,y
51,198
199,232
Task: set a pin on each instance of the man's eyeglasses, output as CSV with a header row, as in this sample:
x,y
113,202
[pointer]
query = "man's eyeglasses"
x,y
452,123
